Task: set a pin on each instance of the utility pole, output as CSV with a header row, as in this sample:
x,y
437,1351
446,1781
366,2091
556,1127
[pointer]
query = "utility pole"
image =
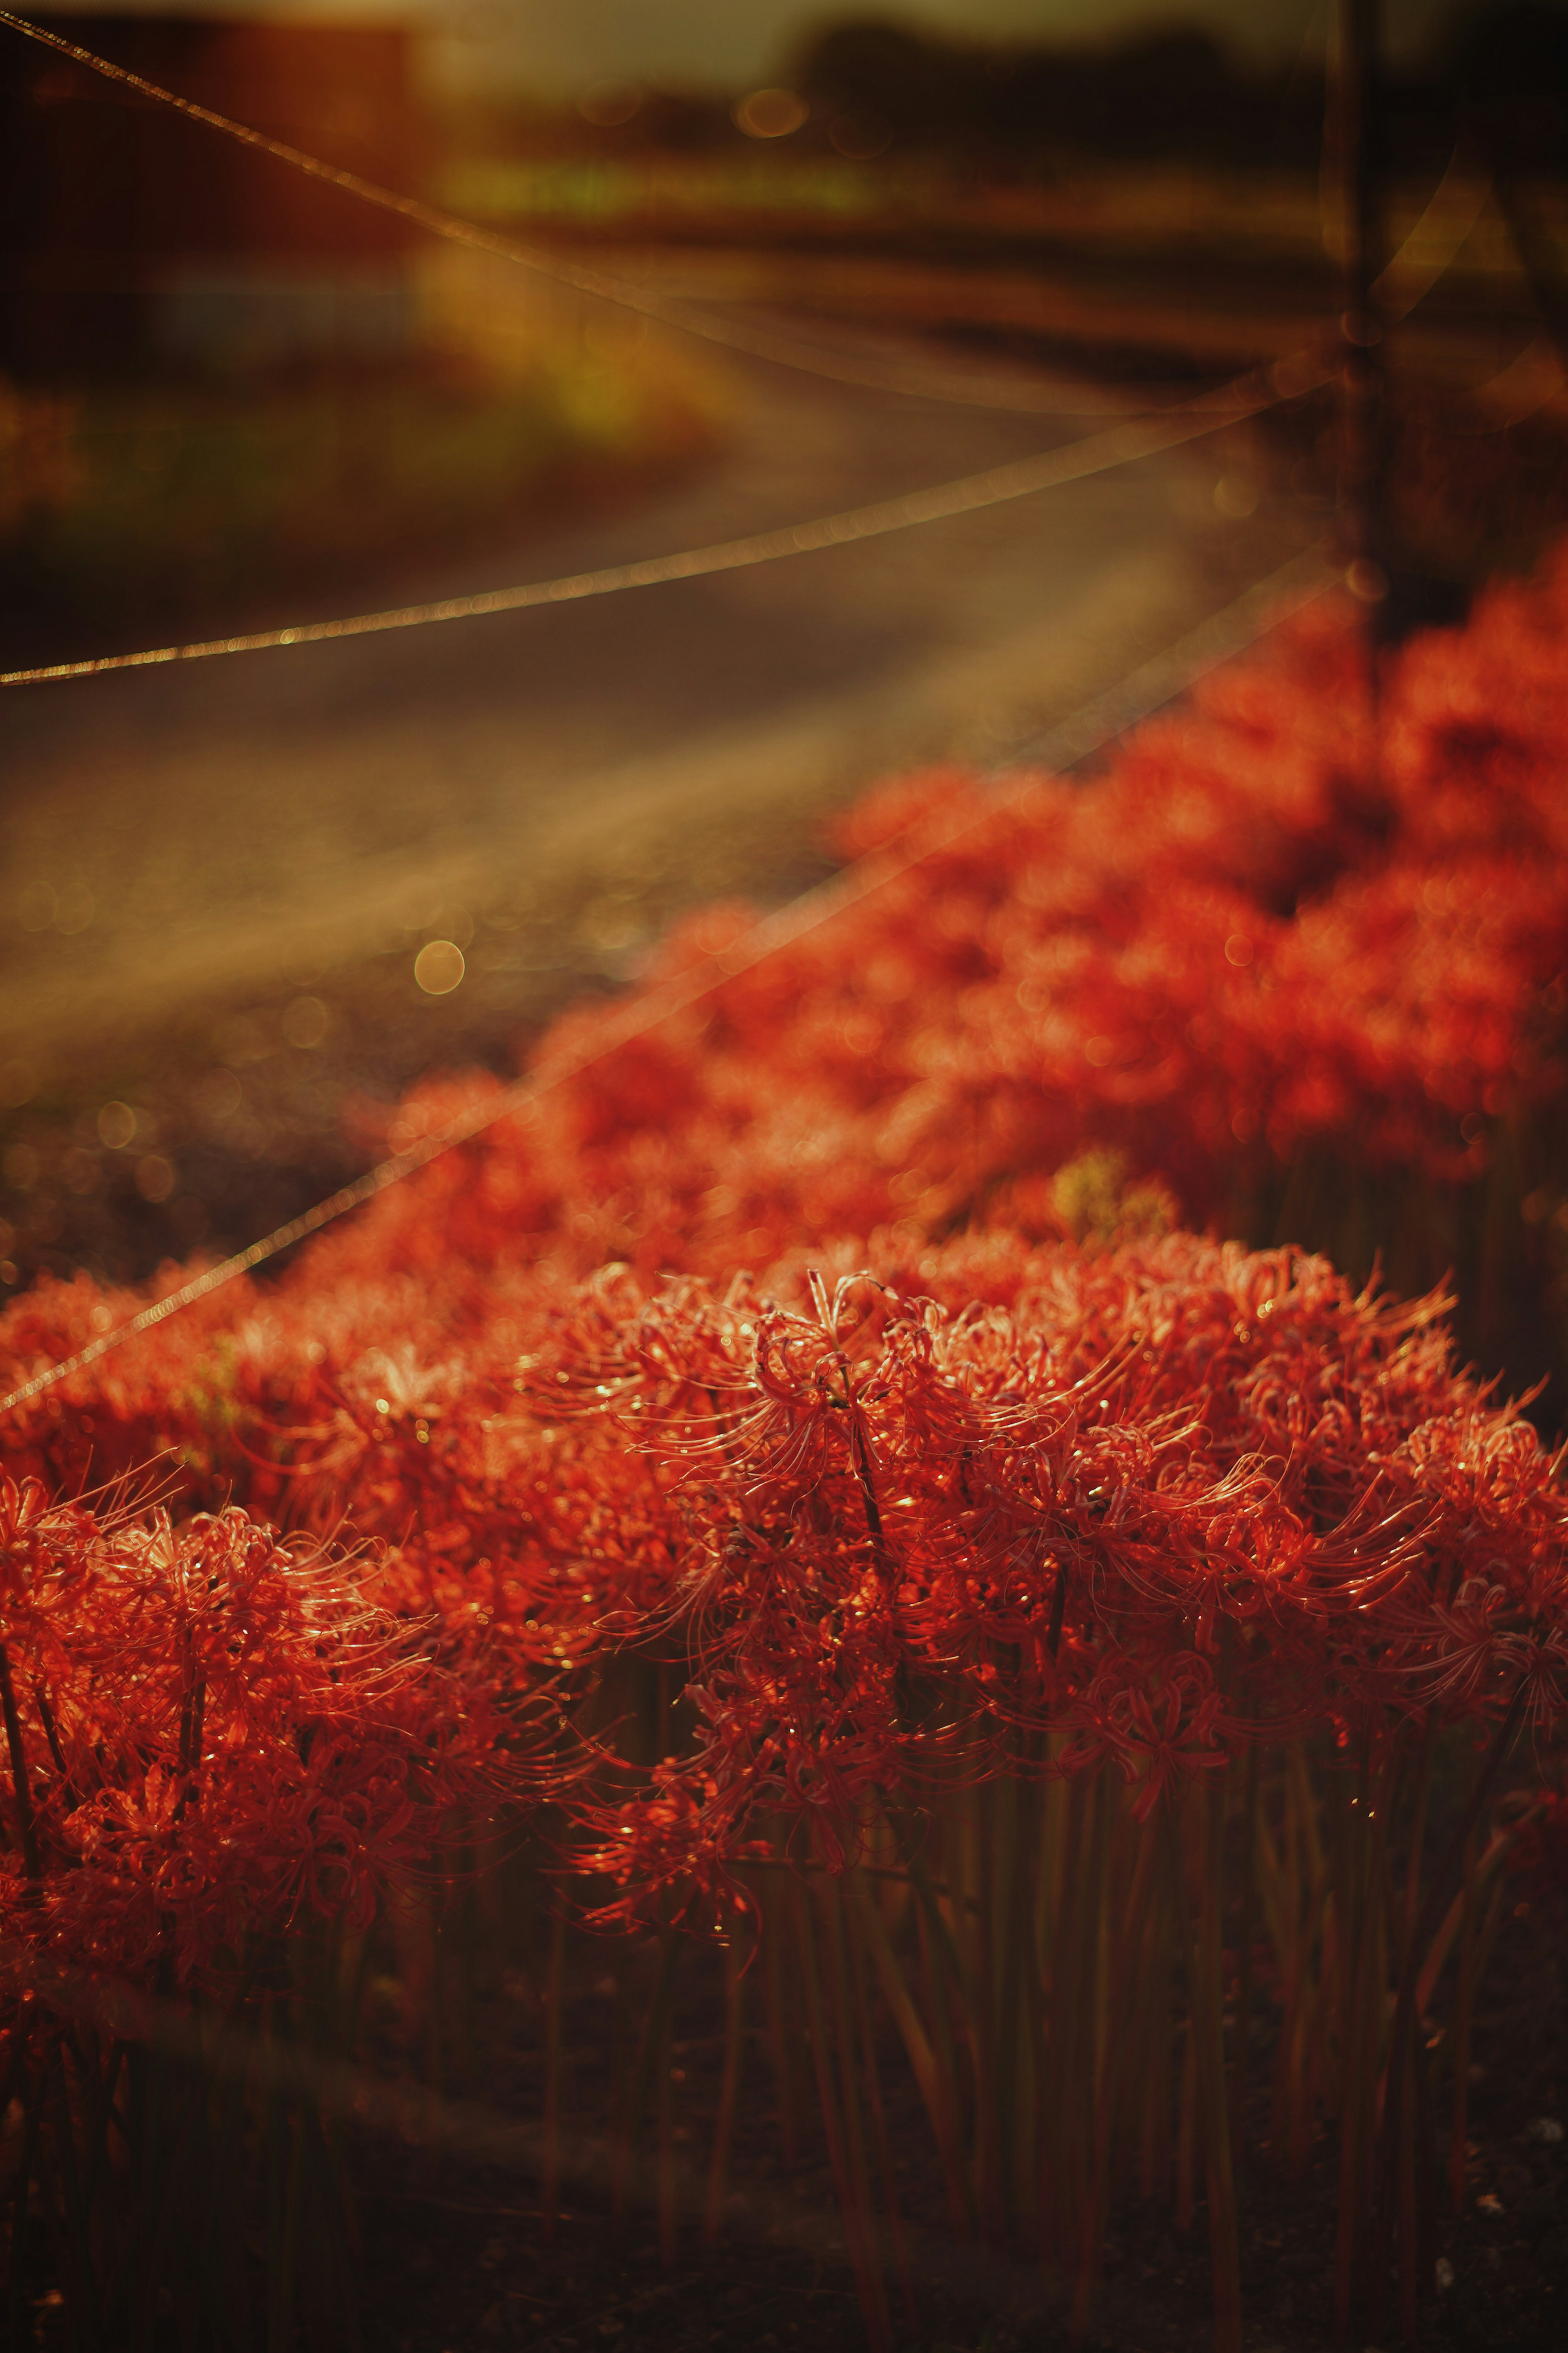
x,y
1359,117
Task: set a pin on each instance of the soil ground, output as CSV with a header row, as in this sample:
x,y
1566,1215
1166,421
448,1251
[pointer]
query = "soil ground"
x,y
456,2260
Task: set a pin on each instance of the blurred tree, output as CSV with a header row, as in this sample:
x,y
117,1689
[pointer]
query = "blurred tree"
x,y
925,88
1508,67
1170,91
1174,90
1513,54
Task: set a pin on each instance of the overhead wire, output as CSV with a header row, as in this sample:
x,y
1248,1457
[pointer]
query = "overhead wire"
x,y
969,494
1430,248
1260,608
455,228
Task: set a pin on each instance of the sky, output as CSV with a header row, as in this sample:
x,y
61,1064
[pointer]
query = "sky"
x,y
557,48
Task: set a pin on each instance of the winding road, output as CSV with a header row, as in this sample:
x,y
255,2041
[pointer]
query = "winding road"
x,y
223,832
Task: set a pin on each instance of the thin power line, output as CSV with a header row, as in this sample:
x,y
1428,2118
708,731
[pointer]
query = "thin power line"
x,y
1093,454
432,218
1432,244
1260,608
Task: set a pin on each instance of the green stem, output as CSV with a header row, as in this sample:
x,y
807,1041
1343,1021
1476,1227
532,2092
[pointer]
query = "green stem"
x,y
18,2330
779,2035
84,2282
652,2051
1463,2014
933,2078
857,2169
1246,1933
26,1822
1110,2080
879,2123
873,2304
1203,1955
729,2092
1438,1895
555,1991
1363,1844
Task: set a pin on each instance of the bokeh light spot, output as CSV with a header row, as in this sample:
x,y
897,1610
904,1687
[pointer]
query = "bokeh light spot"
x,y
606,103
771,113
305,1021
453,924
860,136
243,1040
1235,497
220,1095
439,966
80,1170
154,1178
74,910
116,1125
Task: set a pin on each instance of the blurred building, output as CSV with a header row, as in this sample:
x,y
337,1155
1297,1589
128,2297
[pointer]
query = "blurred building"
x,y
132,238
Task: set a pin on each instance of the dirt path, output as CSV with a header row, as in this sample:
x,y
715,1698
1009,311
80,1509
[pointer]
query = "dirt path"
x,y
233,823
214,878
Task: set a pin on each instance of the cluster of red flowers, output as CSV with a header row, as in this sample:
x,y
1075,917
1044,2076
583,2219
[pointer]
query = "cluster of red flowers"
x,y
1011,1503
1241,940
211,1736
1040,1469
1268,930
1149,1506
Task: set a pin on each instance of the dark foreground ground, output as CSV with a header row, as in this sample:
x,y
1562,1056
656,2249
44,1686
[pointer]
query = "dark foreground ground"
x,y
455,2258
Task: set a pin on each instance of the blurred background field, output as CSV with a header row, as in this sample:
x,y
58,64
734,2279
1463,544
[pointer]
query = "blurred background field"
x,y
224,382
230,398
128,503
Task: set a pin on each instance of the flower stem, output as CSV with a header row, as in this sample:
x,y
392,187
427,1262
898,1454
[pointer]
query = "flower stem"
x,y
26,1822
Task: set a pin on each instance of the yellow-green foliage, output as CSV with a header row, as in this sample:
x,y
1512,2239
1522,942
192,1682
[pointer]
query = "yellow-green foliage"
x,y
116,496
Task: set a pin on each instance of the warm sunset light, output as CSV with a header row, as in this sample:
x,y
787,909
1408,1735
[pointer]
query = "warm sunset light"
x,y
784,1178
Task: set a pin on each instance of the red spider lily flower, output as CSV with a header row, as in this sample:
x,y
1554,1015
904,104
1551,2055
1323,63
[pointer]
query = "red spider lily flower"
x,y
213,1735
1234,951
1160,1724
1095,1526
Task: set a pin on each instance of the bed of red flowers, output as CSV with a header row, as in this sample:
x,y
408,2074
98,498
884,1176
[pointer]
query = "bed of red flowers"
x,y
904,1470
